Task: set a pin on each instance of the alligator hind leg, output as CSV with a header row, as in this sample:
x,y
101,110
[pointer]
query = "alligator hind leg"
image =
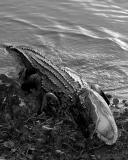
x,y
25,73
29,79
49,104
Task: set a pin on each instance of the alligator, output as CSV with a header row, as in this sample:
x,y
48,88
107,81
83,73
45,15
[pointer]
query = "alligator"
x,y
69,90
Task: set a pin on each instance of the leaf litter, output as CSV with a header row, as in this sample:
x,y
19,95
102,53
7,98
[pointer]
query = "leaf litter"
x,y
24,135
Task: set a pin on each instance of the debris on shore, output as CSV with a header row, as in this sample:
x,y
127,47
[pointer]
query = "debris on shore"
x,y
26,135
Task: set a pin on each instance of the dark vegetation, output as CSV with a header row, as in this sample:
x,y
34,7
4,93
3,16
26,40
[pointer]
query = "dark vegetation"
x,y
25,135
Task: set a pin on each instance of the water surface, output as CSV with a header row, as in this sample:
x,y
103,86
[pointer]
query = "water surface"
x,y
89,36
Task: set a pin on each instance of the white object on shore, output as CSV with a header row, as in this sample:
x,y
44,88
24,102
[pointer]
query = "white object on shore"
x,y
102,117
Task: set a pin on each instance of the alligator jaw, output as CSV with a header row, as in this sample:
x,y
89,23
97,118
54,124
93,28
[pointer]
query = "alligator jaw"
x,y
102,116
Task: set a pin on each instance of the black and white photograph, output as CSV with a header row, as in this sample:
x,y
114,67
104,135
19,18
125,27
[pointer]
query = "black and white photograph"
x,y
63,80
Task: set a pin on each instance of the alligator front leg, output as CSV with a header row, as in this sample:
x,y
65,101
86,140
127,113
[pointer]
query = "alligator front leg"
x,y
32,80
49,103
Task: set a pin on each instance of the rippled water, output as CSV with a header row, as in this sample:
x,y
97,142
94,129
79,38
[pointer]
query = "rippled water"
x,y
89,36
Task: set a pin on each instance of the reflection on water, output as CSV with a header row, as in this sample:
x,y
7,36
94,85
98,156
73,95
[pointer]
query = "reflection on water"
x,y
89,36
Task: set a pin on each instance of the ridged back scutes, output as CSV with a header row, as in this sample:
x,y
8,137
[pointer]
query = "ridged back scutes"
x,y
48,85
52,69
44,69
24,59
58,76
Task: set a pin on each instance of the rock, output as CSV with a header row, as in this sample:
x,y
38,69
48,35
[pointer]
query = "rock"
x,y
8,144
115,101
126,104
108,96
124,101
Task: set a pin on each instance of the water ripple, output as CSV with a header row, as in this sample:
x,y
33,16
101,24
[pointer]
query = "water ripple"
x,y
81,34
107,9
